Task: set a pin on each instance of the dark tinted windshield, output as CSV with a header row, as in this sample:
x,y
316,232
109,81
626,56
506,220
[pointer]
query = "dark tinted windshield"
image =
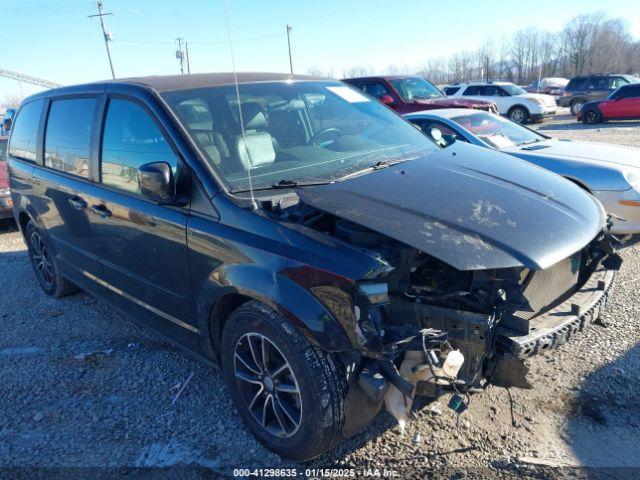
x,y
415,88
497,131
298,131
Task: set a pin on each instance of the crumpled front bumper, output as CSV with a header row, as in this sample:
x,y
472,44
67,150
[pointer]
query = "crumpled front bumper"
x,y
561,323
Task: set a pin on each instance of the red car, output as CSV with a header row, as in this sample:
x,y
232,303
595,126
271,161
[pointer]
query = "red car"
x,y
622,104
6,204
411,94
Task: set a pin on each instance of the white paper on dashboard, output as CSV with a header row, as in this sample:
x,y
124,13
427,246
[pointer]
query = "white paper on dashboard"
x,y
348,94
500,141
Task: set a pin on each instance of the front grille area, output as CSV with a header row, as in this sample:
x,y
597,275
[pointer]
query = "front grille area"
x,y
546,288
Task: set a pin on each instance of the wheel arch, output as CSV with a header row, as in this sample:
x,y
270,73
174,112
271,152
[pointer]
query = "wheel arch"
x,y
519,105
215,303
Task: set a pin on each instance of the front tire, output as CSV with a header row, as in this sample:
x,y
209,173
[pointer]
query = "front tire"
x,y
591,116
518,115
289,393
44,264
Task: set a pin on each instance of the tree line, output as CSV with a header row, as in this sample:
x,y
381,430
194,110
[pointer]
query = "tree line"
x,y
589,43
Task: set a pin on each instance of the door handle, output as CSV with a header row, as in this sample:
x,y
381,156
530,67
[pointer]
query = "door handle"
x,y
77,203
101,211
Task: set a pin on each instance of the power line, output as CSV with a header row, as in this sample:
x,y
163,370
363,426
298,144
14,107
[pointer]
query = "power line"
x,y
220,42
106,34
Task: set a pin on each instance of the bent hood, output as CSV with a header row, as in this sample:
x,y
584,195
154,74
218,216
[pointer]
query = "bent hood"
x,y
470,207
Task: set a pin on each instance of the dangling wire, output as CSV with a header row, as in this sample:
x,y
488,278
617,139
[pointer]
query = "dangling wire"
x,y
254,204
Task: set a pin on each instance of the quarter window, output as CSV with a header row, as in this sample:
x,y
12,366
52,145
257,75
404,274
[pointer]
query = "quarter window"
x,y
24,132
130,139
68,135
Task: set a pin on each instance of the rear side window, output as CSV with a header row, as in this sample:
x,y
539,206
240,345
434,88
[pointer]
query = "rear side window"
x,y
68,135
24,132
575,84
472,90
451,90
130,139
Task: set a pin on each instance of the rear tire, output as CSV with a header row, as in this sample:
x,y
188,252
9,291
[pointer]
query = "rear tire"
x,y
591,116
575,107
518,115
44,264
304,404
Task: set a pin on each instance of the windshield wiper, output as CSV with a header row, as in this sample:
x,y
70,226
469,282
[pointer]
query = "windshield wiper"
x,y
376,166
287,183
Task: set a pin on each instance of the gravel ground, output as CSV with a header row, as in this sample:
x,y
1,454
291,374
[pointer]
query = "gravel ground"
x,y
82,388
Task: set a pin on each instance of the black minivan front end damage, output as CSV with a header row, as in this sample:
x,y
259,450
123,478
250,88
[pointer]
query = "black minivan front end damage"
x,y
460,280
404,323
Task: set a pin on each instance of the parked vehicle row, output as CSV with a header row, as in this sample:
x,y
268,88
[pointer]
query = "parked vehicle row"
x,y
330,256
590,87
621,104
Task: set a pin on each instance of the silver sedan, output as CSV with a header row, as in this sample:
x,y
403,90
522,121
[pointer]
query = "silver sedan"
x,y
611,173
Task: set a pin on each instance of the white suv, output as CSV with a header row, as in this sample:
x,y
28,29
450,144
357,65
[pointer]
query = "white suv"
x,y
512,101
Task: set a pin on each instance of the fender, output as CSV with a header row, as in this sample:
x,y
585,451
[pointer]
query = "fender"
x,y
231,285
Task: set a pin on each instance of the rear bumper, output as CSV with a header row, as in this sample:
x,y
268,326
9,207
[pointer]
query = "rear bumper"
x,y
561,323
563,101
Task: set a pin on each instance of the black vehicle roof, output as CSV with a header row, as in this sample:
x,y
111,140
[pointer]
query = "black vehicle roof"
x,y
163,83
199,80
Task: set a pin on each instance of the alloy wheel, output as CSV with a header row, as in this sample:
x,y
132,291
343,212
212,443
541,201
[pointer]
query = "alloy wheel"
x,y
517,115
41,259
267,385
591,117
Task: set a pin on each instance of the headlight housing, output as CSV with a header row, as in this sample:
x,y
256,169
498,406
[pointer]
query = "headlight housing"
x,y
633,178
537,101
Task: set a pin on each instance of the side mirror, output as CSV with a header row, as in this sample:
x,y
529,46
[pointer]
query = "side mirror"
x,y
387,99
6,124
156,182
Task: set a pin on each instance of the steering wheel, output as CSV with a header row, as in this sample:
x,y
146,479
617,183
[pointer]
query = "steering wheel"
x,y
325,131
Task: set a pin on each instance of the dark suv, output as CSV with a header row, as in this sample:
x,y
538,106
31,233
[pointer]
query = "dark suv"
x,y
586,88
307,238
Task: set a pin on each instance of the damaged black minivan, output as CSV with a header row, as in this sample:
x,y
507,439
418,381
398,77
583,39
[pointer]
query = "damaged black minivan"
x,y
305,237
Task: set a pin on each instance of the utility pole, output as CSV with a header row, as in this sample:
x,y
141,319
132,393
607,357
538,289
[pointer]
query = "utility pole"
x,y
180,54
289,43
107,35
186,51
